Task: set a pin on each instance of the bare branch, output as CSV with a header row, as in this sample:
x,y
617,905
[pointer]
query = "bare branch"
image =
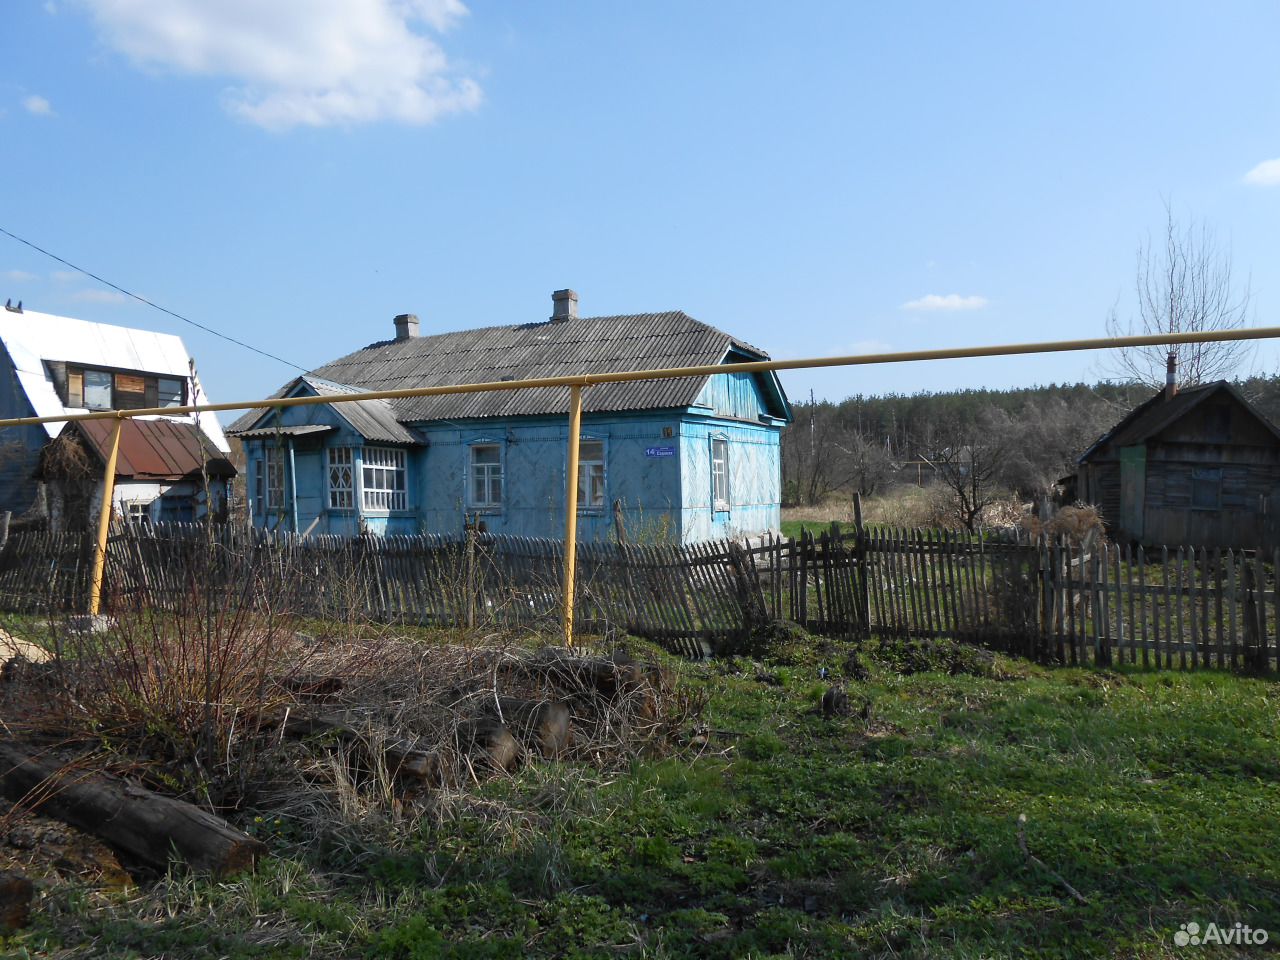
x,y
1183,283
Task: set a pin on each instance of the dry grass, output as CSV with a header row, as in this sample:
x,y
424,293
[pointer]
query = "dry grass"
x,y
1075,522
424,698
906,506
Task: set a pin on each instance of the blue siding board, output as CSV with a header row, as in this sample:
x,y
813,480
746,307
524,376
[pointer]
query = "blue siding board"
x,y
662,497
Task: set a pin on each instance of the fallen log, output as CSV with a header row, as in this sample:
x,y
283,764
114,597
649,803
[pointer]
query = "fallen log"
x,y
142,826
541,725
16,894
490,743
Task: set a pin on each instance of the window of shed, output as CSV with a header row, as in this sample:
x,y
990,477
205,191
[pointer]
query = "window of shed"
x,y
590,474
486,476
341,478
383,480
168,392
1206,489
720,473
97,389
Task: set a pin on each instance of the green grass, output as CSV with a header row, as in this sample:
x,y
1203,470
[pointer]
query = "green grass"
x,y
793,528
778,833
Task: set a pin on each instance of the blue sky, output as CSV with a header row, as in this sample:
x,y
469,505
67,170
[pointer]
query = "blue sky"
x,y
297,173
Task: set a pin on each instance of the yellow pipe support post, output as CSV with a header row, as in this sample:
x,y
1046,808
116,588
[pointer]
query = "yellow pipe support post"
x,y
104,521
571,510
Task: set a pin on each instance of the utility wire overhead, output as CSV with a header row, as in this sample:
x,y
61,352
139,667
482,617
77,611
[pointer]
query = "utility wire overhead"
x,y
150,303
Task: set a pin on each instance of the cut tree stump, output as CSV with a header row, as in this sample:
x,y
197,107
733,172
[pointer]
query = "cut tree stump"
x,y
16,894
142,826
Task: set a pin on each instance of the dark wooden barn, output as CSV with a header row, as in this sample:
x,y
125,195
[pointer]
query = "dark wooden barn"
x,y
1198,466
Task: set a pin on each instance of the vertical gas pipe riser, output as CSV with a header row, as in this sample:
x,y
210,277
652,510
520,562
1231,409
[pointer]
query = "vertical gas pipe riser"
x,y
104,521
571,510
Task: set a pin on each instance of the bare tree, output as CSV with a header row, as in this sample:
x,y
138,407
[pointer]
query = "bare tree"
x,y
970,461
1184,282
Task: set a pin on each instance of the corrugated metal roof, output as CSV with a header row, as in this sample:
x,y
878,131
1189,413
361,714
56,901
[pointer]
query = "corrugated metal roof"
x,y
550,349
154,449
31,338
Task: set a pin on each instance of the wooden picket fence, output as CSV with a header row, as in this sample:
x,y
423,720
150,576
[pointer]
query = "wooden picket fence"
x,y
1054,601
1180,607
691,598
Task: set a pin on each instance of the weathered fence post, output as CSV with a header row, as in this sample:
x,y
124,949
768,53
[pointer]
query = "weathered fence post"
x,y
469,574
863,627
1254,651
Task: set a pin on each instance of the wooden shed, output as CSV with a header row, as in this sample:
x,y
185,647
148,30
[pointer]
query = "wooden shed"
x,y
1198,466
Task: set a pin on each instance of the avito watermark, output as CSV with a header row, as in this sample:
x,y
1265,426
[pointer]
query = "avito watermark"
x,y
1237,935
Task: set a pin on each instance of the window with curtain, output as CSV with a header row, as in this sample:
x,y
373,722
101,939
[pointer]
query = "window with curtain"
x,y
720,473
590,474
485,482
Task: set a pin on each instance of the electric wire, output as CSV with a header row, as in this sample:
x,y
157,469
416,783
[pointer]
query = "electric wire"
x,y
151,303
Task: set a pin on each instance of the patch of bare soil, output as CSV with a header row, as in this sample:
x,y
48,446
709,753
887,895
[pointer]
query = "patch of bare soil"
x,y
48,851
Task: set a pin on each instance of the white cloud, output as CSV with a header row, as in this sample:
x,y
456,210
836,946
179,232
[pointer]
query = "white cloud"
x,y
952,301
37,105
18,276
64,276
301,62
99,296
1265,174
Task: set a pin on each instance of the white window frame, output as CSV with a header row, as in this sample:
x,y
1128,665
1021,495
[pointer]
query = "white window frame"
x,y
586,467
342,496
721,488
270,480
384,479
490,472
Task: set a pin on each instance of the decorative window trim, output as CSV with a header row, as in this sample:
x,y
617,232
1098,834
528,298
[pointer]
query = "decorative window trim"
x,y
340,477
585,503
384,479
493,473
721,475
269,482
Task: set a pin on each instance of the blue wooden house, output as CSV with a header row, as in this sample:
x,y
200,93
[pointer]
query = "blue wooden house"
x,y
678,460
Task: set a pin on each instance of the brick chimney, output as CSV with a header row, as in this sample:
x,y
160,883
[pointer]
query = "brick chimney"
x,y
1171,377
564,306
406,326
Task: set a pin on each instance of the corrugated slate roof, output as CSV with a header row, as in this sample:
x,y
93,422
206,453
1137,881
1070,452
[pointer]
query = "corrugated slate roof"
x,y
155,449
372,419
549,349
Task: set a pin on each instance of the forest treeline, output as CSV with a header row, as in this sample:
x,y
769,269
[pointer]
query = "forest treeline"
x,y
982,444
